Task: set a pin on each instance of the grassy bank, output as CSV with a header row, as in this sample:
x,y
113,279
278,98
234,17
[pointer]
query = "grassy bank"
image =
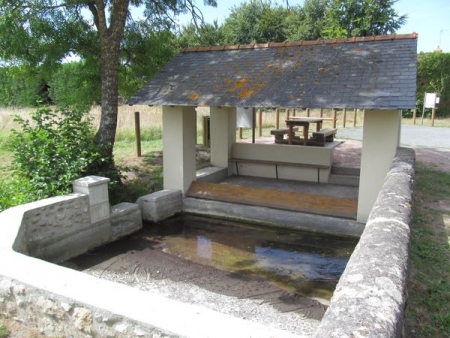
x,y
428,311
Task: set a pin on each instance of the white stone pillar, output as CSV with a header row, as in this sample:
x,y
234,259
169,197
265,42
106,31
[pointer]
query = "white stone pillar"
x,y
223,134
179,147
381,137
97,189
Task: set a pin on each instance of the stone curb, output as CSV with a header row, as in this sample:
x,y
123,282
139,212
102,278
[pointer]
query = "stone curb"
x,y
370,298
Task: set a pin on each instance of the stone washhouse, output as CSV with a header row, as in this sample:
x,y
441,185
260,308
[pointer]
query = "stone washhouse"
x,y
377,74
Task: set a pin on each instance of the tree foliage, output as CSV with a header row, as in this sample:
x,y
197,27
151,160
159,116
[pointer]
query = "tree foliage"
x,y
145,49
260,21
347,18
433,76
205,35
255,22
307,22
19,86
75,84
44,32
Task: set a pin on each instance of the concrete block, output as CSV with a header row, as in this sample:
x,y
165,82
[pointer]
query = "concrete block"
x,y
96,188
161,204
125,219
212,174
99,212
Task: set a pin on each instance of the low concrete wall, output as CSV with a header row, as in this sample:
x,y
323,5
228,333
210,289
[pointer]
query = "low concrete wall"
x,y
370,298
279,152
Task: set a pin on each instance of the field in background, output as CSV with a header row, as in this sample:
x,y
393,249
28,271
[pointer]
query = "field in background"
x,y
151,117
151,126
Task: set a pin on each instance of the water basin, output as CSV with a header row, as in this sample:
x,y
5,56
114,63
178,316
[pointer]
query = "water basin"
x,y
292,271
303,262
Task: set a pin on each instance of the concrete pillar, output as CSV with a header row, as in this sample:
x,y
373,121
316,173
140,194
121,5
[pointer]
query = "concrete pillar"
x,y
223,134
97,189
381,137
179,147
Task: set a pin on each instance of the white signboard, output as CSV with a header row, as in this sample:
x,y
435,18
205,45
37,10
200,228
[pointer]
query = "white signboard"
x,y
430,100
244,117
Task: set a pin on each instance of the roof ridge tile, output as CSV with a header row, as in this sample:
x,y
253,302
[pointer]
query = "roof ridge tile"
x,y
303,42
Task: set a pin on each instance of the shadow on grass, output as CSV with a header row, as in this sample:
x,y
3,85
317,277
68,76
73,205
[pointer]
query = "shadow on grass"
x,y
428,310
144,175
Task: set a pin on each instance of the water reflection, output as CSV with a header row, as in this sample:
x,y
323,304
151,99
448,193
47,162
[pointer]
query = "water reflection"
x,y
308,265
204,247
297,261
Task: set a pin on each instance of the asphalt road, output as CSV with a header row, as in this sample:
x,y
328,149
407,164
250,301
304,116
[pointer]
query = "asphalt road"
x,y
411,136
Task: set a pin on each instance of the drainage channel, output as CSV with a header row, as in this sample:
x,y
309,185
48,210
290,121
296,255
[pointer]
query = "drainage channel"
x,y
197,259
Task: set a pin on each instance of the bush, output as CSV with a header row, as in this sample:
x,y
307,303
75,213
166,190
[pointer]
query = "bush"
x,y
16,190
53,149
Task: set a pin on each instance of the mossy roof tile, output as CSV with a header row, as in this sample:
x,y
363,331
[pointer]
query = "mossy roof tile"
x,y
370,72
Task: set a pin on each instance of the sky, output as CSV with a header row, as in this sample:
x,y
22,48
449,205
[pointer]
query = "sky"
x,y
430,19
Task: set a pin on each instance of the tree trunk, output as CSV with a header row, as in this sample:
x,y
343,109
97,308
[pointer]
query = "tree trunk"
x,y
110,39
106,133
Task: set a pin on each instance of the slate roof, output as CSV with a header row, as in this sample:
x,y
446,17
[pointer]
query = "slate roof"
x,y
370,72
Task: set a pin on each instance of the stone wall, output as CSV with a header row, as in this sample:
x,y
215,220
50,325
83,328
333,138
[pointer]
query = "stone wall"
x,y
59,316
370,298
59,228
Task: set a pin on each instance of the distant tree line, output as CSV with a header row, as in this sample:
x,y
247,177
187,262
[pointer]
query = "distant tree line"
x,y
433,76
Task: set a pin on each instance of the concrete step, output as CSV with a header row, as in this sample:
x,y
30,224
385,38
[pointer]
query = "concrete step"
x,y
276,199
344,176
345,171
348,180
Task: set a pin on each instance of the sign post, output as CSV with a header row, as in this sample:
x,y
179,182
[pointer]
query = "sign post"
x,y
429,101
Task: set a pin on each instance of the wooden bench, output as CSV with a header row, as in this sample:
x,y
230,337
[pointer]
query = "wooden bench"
x,y
279,134
278,163
324,135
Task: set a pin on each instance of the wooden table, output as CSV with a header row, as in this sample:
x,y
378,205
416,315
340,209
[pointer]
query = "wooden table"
x,y
304,122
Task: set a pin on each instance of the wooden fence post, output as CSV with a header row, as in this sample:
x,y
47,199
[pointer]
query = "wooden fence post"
x,y
414,115
308,112
354,117
137,131
277,122
344,117
334,118
321,112
260,123
433,114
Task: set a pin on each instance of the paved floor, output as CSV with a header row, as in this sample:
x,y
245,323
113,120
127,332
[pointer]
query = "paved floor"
x,y
432,146
412,136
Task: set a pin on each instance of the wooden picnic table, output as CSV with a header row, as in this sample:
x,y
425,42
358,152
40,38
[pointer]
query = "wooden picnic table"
x,y
304,122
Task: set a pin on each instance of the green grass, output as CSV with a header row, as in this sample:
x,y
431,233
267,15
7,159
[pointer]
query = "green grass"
x,y
428,311
4,332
